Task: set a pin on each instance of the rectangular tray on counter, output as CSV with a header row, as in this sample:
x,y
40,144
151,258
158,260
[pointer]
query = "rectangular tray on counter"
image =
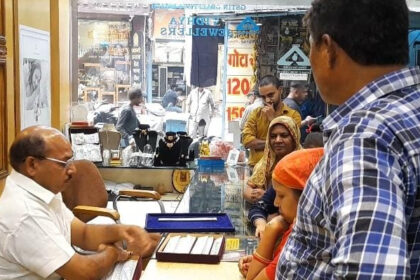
x,y
189,222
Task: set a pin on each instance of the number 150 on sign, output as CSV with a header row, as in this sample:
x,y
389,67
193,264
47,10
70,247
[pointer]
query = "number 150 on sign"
x,y
234,112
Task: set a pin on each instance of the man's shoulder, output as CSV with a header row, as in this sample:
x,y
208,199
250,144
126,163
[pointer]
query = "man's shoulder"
x,y
396,114
14,206
289,101
256,112
252,121
169,93
288,111
125,107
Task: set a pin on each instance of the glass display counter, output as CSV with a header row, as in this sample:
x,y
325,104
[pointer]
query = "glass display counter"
x,y
219,192
213,192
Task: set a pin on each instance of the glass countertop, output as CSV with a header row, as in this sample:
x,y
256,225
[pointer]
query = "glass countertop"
x,y
219,192
99,165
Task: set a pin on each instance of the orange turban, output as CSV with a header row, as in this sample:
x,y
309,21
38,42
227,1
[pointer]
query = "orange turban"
x,y
293,170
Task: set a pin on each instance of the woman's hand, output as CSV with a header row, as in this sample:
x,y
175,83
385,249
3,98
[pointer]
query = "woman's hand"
x,y
252,193
276,226
244,264
260,227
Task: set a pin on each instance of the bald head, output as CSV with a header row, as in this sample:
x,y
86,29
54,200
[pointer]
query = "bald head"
x,y
32,141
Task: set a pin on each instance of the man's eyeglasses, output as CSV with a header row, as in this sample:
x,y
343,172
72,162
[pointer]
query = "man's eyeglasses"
x,y
63,163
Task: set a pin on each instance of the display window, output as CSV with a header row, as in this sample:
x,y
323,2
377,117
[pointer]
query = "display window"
x,y
171,50
103,60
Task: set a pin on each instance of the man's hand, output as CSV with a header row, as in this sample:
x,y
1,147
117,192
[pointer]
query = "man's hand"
x,y
140,241
122,255
269,112
244,264
94,266
308,121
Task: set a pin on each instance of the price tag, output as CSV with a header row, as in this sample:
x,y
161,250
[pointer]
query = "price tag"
x,y
232,244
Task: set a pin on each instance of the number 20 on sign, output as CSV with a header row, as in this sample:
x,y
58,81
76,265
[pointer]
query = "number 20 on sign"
x,y
237,86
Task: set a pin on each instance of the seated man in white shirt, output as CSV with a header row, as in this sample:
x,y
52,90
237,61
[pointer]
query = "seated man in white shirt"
x,y
36,228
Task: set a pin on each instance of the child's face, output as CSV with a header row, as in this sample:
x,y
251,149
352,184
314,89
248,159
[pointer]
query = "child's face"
x,y
286,200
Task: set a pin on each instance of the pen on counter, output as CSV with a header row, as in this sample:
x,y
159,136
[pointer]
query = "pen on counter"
x,y
201,219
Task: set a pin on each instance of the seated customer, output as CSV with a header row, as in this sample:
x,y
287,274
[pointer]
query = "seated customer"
x,y
255,131
283,138
289,179
265,209
36,228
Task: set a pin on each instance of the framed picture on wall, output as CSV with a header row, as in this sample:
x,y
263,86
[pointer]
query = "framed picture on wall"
x,y
35,77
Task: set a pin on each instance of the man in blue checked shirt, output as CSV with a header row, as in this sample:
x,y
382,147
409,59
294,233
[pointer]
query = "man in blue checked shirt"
x,y
359,215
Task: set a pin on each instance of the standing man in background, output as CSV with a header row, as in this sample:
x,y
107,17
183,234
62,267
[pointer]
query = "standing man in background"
x,y
256,127
128,121
297,95
359,215
200,106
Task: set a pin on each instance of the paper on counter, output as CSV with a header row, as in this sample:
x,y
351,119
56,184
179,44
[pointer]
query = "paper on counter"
x,y
199,245
216,246
184,244
122,271
207,247
171,245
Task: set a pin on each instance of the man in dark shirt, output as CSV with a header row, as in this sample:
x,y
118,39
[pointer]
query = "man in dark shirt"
x,y
297,95
170,99
128,122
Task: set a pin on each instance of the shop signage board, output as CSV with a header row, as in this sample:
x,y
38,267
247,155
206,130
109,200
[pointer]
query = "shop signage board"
x,y
294,65
240,66
137,63
167,24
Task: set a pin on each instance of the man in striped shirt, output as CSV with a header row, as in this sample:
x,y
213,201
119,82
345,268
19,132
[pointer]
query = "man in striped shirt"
x,y
359,215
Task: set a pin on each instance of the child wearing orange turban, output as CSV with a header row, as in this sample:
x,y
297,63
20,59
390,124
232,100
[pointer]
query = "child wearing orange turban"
x,y
289,178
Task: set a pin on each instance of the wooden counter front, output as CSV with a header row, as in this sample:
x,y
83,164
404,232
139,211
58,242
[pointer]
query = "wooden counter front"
x,y
185,271
151,177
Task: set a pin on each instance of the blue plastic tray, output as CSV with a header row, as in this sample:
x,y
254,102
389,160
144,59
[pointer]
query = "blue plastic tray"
x,y
211,163
223,223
